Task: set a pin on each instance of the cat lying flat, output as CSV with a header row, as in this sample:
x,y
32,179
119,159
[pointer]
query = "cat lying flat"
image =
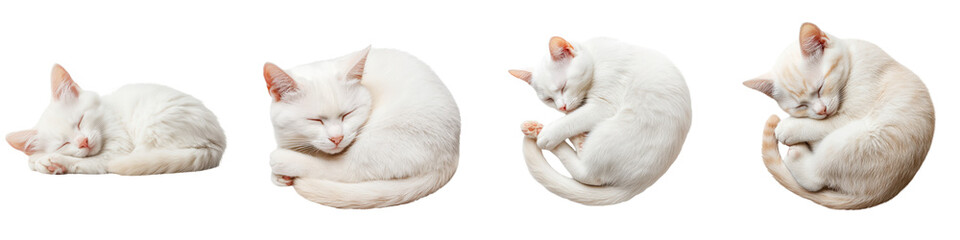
x,y
138,129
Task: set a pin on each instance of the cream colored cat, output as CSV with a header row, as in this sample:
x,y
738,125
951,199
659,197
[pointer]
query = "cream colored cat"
x,y
860,124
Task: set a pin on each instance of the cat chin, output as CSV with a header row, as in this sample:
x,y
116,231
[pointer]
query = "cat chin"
x,y
329,150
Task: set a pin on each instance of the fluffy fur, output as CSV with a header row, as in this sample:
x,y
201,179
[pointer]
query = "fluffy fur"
x,y
860,127
374,128
139,129
632,101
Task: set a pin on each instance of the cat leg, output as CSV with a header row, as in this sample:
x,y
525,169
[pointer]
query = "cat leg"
x,y
578,140
61,164
287,165
576,167
802,164
576,122
568,157
792,131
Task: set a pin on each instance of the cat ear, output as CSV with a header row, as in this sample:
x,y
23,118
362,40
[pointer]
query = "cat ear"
x,y
356,71
762,84
521,74
20,140
62,85
560,49
279,83
812,40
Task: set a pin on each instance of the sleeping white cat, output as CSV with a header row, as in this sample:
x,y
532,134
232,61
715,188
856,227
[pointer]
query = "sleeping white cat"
x,y
860,123
374,128
139,129
633,102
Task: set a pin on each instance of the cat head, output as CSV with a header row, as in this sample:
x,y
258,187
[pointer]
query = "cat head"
x,y
71,125
319,106
563,78
808,79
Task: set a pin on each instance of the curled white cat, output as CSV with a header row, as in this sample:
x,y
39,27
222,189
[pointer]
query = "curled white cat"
x,y
139,129
373,128
860,123
627,113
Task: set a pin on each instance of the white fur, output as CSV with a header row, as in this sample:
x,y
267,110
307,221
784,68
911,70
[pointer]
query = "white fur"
x,y
139,129
400,144
865,150
636,107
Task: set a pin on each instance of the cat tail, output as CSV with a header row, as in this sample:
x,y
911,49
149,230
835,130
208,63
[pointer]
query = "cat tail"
x,y
370,194
774,163
567,187
158,161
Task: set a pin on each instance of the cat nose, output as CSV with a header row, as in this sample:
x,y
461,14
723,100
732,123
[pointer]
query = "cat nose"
x,y
564,108
822,111
336,140
84,143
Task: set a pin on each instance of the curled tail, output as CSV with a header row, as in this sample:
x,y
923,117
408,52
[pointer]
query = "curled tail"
x,y
773,161
158,161
561,185
370,194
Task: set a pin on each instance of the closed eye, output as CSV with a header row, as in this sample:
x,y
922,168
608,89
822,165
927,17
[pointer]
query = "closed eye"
x,y
344,116
548,100
802,107
316,120
64,145
81,121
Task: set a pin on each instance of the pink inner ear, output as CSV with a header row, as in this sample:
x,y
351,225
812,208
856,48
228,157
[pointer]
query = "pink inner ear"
x,y
560,49
19,140
522,75
356,72
279,83
812,40
763,85
62,85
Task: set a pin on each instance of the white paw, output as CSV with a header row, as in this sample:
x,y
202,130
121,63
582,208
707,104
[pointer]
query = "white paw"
x,y
786,132
549,139
531,129
48,164
797,152
282,180
578,141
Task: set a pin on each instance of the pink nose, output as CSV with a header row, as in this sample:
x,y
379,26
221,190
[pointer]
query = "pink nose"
x,y
564,108
822,111
336,140
84,143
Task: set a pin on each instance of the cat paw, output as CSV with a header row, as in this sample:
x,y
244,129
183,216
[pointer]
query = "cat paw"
x,y
549,138
578,141
531,129
49,166
797,152
786,132
282,180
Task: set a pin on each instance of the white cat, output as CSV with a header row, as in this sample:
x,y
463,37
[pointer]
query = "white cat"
x,y
139,129
374,128
860,124
632,100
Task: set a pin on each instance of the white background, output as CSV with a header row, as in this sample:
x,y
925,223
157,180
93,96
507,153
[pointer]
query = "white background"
x,y
215,51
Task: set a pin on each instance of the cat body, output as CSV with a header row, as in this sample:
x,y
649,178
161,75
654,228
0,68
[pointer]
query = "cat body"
x,y
396,139
138,129
869,138
633,102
